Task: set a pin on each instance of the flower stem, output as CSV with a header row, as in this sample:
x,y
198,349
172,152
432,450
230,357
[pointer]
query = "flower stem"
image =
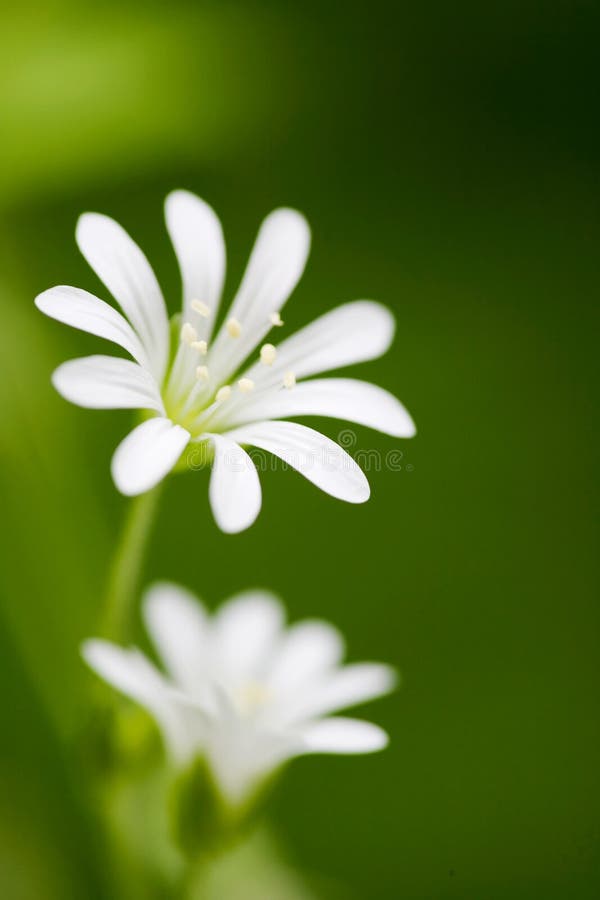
x,y
127,564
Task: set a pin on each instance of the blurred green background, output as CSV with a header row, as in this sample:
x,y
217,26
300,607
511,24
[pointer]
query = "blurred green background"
x,y
448,159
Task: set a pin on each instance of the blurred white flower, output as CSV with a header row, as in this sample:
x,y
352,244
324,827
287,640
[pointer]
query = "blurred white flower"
x,y
206,390
241,690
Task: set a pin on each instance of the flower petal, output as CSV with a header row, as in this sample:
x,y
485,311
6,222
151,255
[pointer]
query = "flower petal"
x,y
315,456
344,687
307,649
131,673
121,265
82,310
147,454
340,398
245,631
107,382
234,490
197,237
242,756
351,333
276,264
178,625
340,735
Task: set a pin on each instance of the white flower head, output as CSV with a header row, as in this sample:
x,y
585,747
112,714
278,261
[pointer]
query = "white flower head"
x,y
225,390
240,689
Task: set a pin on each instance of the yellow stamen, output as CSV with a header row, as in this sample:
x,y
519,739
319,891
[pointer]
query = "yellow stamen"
x,y
268,354
188,333
289,380
234,328
275,319
201,346
202,373
201,308
246,385
224,393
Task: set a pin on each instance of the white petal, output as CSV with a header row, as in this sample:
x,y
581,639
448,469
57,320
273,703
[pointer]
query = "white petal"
x,y
131,673
345,687
234,490
340,735
340,398
307,649
121,265
197,237
147,454
241,756
349,334
178,625
82,310
245,632
127,670
276,264
107,382
315,456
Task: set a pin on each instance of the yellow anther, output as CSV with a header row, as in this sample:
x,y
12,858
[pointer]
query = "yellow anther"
x,y
246,385
224,393
275,319
268,354
201,346
202,373
234,329
201,308
188,333
289,380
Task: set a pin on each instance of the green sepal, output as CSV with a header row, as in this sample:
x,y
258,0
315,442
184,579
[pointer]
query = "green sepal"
x,y
118,739
204,822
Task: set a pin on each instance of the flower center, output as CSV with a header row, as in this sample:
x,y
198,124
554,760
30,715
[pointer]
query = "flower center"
x,y
250,697
196,398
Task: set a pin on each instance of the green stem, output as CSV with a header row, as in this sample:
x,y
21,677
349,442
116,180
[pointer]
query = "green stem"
x,y
127,564
254,866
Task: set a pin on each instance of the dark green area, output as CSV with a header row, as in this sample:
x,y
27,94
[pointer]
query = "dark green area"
x,y
447,157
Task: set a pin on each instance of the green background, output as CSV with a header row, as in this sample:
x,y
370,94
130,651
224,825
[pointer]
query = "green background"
x,y
447,157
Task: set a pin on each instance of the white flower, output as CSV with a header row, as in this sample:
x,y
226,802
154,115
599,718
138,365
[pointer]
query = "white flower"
x,y
207,391
241,689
